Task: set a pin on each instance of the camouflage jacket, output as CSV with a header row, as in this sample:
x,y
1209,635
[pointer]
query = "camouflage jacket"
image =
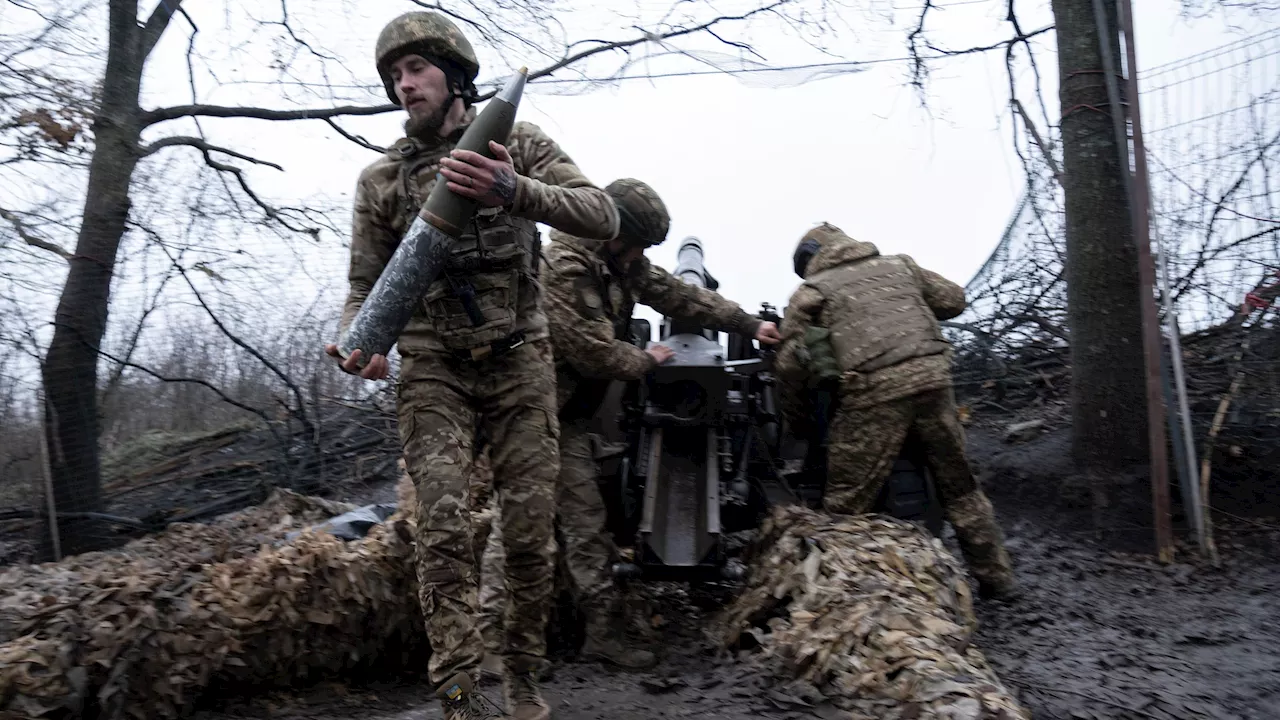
x,y
589,307
926,369
550,189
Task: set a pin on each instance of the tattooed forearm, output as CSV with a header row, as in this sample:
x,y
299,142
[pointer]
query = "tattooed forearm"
x,y
504,185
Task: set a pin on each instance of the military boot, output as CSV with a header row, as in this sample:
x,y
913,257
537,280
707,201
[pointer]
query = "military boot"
x,y
605,642
491,666
982,543
521,691
461,701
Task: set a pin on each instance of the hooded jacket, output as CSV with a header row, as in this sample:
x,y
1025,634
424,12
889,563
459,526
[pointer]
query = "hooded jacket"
x,y
882,312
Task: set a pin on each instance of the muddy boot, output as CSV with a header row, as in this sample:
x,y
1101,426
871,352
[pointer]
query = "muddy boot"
x,y
605,642
461,701
521,691
982,543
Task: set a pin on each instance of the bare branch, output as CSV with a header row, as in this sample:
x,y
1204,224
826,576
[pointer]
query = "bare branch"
x,y
156,25
357,139
300,411
1035,136
919,69
201,110
113,381
205,147
194,381
31,239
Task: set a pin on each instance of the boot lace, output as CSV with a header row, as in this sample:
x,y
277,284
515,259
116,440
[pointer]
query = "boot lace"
x,y
478,707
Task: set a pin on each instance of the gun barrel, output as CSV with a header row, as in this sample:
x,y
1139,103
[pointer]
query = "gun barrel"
x,y
690,269
689,262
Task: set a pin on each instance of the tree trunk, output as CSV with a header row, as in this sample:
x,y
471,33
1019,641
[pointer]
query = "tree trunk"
x,y
70,371
1108,392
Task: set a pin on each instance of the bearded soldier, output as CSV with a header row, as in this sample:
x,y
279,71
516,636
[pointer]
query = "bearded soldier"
x,y
593,287
877,317
476,353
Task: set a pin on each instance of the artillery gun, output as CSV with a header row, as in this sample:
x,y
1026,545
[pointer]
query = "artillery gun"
x,y
700,451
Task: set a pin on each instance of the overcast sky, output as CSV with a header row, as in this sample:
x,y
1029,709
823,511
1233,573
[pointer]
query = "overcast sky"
x,y
747,169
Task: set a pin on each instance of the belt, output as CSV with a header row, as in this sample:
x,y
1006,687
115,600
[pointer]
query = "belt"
x,y
497,348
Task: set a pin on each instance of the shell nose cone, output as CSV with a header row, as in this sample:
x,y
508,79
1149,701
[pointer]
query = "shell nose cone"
x,y
514,88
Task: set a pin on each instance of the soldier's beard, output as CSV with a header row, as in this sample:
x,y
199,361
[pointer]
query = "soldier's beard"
x,y
427,127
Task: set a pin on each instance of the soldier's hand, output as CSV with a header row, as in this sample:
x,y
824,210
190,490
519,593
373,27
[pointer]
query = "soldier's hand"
x,y
768,334
660,353
377,369
492,183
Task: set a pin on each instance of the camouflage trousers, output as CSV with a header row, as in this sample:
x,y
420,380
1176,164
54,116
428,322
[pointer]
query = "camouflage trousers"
x,y
863,444
443,401
493,581
587,547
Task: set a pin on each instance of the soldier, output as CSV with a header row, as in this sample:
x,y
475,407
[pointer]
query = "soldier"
x,y
592,288
495,373
880,315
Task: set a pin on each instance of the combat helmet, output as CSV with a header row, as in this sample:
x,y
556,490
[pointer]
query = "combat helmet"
x,y
643,217
434,37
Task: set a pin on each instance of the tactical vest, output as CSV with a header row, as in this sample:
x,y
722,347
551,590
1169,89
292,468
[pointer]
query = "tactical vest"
x,y
877,314
476,301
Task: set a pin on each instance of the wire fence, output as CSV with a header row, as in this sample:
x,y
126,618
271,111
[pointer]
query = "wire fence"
x,y
1211,122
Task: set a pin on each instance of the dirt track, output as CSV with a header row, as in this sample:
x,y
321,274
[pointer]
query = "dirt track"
x,y
1095,634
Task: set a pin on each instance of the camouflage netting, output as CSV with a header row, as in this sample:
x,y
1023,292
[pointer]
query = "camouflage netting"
x,y
143,630
881,624
873,612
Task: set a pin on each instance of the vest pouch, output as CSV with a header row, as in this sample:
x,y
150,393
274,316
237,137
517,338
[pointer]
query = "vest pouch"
x,y
495,296
491,257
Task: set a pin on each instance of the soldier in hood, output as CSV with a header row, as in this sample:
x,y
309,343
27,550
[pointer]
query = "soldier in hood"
x,y
869,322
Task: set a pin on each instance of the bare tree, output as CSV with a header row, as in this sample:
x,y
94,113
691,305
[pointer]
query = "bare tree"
x,y
1103,290
61,116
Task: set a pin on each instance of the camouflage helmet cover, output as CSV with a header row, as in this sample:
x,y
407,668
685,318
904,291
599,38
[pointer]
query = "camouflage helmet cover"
x,y
643,216
429,34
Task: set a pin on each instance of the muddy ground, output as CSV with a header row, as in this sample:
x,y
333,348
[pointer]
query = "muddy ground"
x,y
1095,634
